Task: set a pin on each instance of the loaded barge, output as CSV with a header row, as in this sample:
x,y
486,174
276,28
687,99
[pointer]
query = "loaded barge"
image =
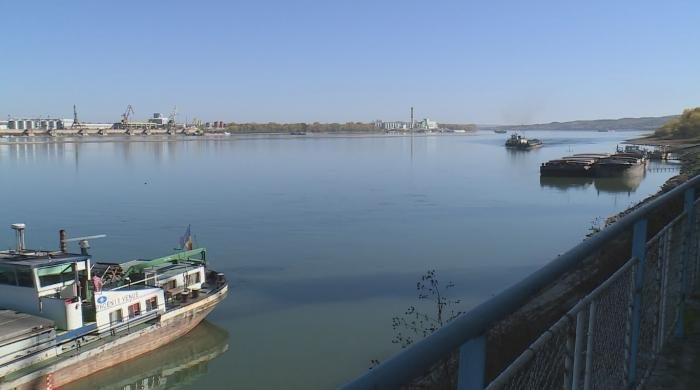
x,y
595,165
63,317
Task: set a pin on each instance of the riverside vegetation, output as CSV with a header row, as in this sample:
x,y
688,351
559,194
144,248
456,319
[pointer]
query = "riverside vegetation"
x,y
317,127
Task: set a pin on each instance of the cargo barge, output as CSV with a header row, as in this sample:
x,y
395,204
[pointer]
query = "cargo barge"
x,y
64,317
595,165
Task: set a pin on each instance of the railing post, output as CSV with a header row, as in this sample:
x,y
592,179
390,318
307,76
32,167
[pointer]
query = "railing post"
x,y
689,199
578,350
664,259
472,364
589,346
639,238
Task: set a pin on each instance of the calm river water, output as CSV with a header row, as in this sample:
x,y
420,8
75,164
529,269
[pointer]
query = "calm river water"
x,y
323,238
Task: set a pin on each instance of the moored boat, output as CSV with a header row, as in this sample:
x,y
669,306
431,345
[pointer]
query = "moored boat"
x,y
66,317
577,165
620,164
567,168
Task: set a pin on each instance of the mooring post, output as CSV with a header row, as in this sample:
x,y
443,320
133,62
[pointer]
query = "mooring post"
x,y
689,199
472,364
639,239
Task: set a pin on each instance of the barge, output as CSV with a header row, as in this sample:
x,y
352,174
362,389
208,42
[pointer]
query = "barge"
x,y
620,164
65,317
595,165
577,165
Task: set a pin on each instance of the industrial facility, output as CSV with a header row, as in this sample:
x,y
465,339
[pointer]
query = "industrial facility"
x,y
423,125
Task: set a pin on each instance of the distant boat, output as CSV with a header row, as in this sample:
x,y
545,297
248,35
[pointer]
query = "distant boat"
x,y
227,133
500,131
298,133
518,142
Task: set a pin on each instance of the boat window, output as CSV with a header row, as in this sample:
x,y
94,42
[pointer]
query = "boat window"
x,y
56,274
152,304
135,310
192,278
7,275
115,316
24,277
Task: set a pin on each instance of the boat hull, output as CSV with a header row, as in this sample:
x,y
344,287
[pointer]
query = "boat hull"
x,y
615,170
172,325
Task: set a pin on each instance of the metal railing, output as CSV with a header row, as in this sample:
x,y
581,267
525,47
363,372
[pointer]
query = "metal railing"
x,y
609,338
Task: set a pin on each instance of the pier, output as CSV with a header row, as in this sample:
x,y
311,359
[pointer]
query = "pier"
x,y
598,316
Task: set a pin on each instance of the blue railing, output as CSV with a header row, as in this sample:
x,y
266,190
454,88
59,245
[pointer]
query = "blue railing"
x,y
647,296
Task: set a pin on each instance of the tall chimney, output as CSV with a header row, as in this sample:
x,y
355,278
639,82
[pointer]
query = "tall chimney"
x,y
411,117
19,228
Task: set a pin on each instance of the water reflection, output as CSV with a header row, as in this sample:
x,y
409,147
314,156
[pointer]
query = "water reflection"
x,y
613,185
171,366
565,183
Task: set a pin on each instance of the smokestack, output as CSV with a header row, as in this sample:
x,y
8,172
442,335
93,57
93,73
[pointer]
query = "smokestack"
x,y
411,117
19,228
62,240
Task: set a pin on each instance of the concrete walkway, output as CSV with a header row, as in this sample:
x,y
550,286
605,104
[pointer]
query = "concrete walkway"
x,y
679,364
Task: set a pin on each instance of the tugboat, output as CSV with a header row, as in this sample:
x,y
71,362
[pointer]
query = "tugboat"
x,y
64,316
518,142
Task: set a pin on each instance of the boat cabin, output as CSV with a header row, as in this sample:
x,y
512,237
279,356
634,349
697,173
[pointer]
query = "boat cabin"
x,y
46,284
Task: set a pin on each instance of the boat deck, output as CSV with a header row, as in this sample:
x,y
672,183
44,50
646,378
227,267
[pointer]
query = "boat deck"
x,y
20,325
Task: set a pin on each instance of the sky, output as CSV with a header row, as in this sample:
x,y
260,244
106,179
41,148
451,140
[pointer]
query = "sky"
x,y
455,61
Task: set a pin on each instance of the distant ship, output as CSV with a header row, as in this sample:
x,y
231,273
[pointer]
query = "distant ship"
x,y
65,317
518,142
500,131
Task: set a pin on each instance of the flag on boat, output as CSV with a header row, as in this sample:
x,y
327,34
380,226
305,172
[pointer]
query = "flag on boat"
x,y
186,240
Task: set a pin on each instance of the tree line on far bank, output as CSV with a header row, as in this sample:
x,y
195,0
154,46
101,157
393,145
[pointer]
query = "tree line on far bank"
x,y
685,126
316,127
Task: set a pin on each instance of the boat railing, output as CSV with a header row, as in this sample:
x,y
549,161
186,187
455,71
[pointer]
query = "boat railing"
x,y
76,342
607,334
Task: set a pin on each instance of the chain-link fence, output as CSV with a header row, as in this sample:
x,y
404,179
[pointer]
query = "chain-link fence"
x,y
595,345
612,333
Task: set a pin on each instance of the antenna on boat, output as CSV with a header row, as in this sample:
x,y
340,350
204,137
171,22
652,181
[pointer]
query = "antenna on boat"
x,y
82,241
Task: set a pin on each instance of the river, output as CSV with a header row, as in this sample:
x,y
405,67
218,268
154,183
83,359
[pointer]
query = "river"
x,y
322,237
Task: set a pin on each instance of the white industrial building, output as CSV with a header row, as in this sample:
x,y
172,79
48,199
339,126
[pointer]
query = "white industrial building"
x,y
159,120
38,124
425,124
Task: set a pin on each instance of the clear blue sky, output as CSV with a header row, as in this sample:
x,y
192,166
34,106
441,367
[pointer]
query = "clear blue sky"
x,y
334,60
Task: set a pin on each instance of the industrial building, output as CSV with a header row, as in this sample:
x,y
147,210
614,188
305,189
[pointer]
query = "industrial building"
x,y
37,124
425,124
159,120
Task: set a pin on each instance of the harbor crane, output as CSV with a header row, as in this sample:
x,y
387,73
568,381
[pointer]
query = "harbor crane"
x,y
172,117
127,114
76,123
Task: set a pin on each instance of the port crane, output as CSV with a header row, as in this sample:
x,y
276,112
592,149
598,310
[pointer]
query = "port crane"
x,y
76,123
172,119
129,113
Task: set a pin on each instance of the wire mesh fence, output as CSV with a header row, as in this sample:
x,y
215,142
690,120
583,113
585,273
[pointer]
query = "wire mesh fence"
x,y
611,336
594,345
